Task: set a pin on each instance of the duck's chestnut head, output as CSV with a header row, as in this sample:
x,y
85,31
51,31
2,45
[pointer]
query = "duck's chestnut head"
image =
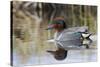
x,y
57,23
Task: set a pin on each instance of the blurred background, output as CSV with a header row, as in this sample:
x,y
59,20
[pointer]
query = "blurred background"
x,y
29,21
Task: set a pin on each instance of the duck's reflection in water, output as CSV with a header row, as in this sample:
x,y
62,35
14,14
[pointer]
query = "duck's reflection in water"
x,y
59,54
62,51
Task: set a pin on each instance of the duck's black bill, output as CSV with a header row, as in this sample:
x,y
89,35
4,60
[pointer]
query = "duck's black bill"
x,y
49,29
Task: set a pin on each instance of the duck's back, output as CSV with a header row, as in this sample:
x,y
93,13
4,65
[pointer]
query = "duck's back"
x,y
77,29
71,33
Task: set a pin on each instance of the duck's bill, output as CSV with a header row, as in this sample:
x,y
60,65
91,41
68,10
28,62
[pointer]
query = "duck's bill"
x,y
52,52
50,27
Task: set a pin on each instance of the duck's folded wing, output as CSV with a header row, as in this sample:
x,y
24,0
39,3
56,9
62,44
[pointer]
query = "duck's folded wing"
x,y
72,33
69,36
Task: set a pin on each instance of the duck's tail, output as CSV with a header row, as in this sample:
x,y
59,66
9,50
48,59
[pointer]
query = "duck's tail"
x,y
86,35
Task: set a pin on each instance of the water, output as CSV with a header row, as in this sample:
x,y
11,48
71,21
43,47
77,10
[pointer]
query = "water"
x,y
74,56
34,52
